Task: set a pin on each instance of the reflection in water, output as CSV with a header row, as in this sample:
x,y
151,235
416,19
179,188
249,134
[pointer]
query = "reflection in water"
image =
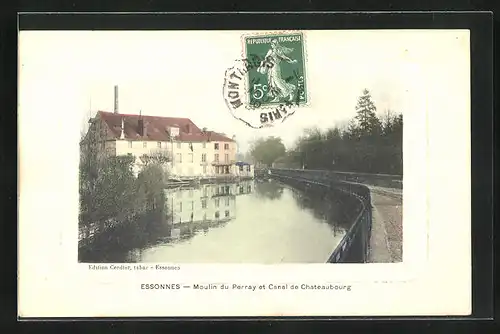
x,y
268,189
113,245
246,222
200,209
324,206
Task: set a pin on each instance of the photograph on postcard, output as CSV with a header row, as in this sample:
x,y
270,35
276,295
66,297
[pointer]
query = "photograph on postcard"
x,y
261,148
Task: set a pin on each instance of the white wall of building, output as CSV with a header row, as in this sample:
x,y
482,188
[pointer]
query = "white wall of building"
x,y
188,159
138,148
187,162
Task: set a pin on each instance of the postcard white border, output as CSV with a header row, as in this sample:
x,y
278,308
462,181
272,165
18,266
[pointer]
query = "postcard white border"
x,y
436,190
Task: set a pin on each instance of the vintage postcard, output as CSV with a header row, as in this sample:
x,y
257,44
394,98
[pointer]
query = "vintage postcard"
x,y
232,173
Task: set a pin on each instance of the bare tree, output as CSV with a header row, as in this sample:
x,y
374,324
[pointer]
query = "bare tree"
x,y
105,180
156,157
387,121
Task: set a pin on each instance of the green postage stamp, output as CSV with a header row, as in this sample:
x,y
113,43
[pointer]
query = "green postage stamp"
x,y
269,83
276,69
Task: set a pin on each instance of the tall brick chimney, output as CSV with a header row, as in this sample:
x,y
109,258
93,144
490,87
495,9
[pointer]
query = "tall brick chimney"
x,y
116,99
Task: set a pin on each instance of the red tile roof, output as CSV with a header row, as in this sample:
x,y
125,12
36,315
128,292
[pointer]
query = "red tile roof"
x,y
157,128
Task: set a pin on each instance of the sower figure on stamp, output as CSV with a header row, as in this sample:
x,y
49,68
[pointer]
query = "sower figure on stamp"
x,y
278,87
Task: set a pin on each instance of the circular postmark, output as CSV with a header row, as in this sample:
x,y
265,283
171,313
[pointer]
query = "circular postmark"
x,y
267,86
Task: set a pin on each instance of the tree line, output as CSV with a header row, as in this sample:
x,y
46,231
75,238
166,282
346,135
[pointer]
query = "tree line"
x,y
117,207
368,144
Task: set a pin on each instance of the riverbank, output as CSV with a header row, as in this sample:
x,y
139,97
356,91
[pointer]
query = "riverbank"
x,y
386,242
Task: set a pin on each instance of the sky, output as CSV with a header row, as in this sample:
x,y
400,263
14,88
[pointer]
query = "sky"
x,y
181,73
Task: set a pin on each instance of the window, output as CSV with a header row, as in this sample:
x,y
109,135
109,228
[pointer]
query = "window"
x,y
216,146
226,146
203,203
249,189
203,157
217,215
227,201
180,207
204,169
216,158
227,213
129,144
248,168
205,191
190,157
179,145
226,157
217,202
159,144
192,205
145,144
204,145
241,168
227,189
178,157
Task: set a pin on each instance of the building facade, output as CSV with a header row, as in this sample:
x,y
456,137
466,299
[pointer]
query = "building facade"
x,y
191,152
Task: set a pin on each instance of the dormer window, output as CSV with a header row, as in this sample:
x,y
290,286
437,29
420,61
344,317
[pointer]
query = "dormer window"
x,y
174,131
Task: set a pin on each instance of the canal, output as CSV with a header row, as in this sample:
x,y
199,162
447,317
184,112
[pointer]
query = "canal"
x,y
255,221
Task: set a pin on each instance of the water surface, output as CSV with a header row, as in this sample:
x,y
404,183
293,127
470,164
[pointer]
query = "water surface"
x,y
248,222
